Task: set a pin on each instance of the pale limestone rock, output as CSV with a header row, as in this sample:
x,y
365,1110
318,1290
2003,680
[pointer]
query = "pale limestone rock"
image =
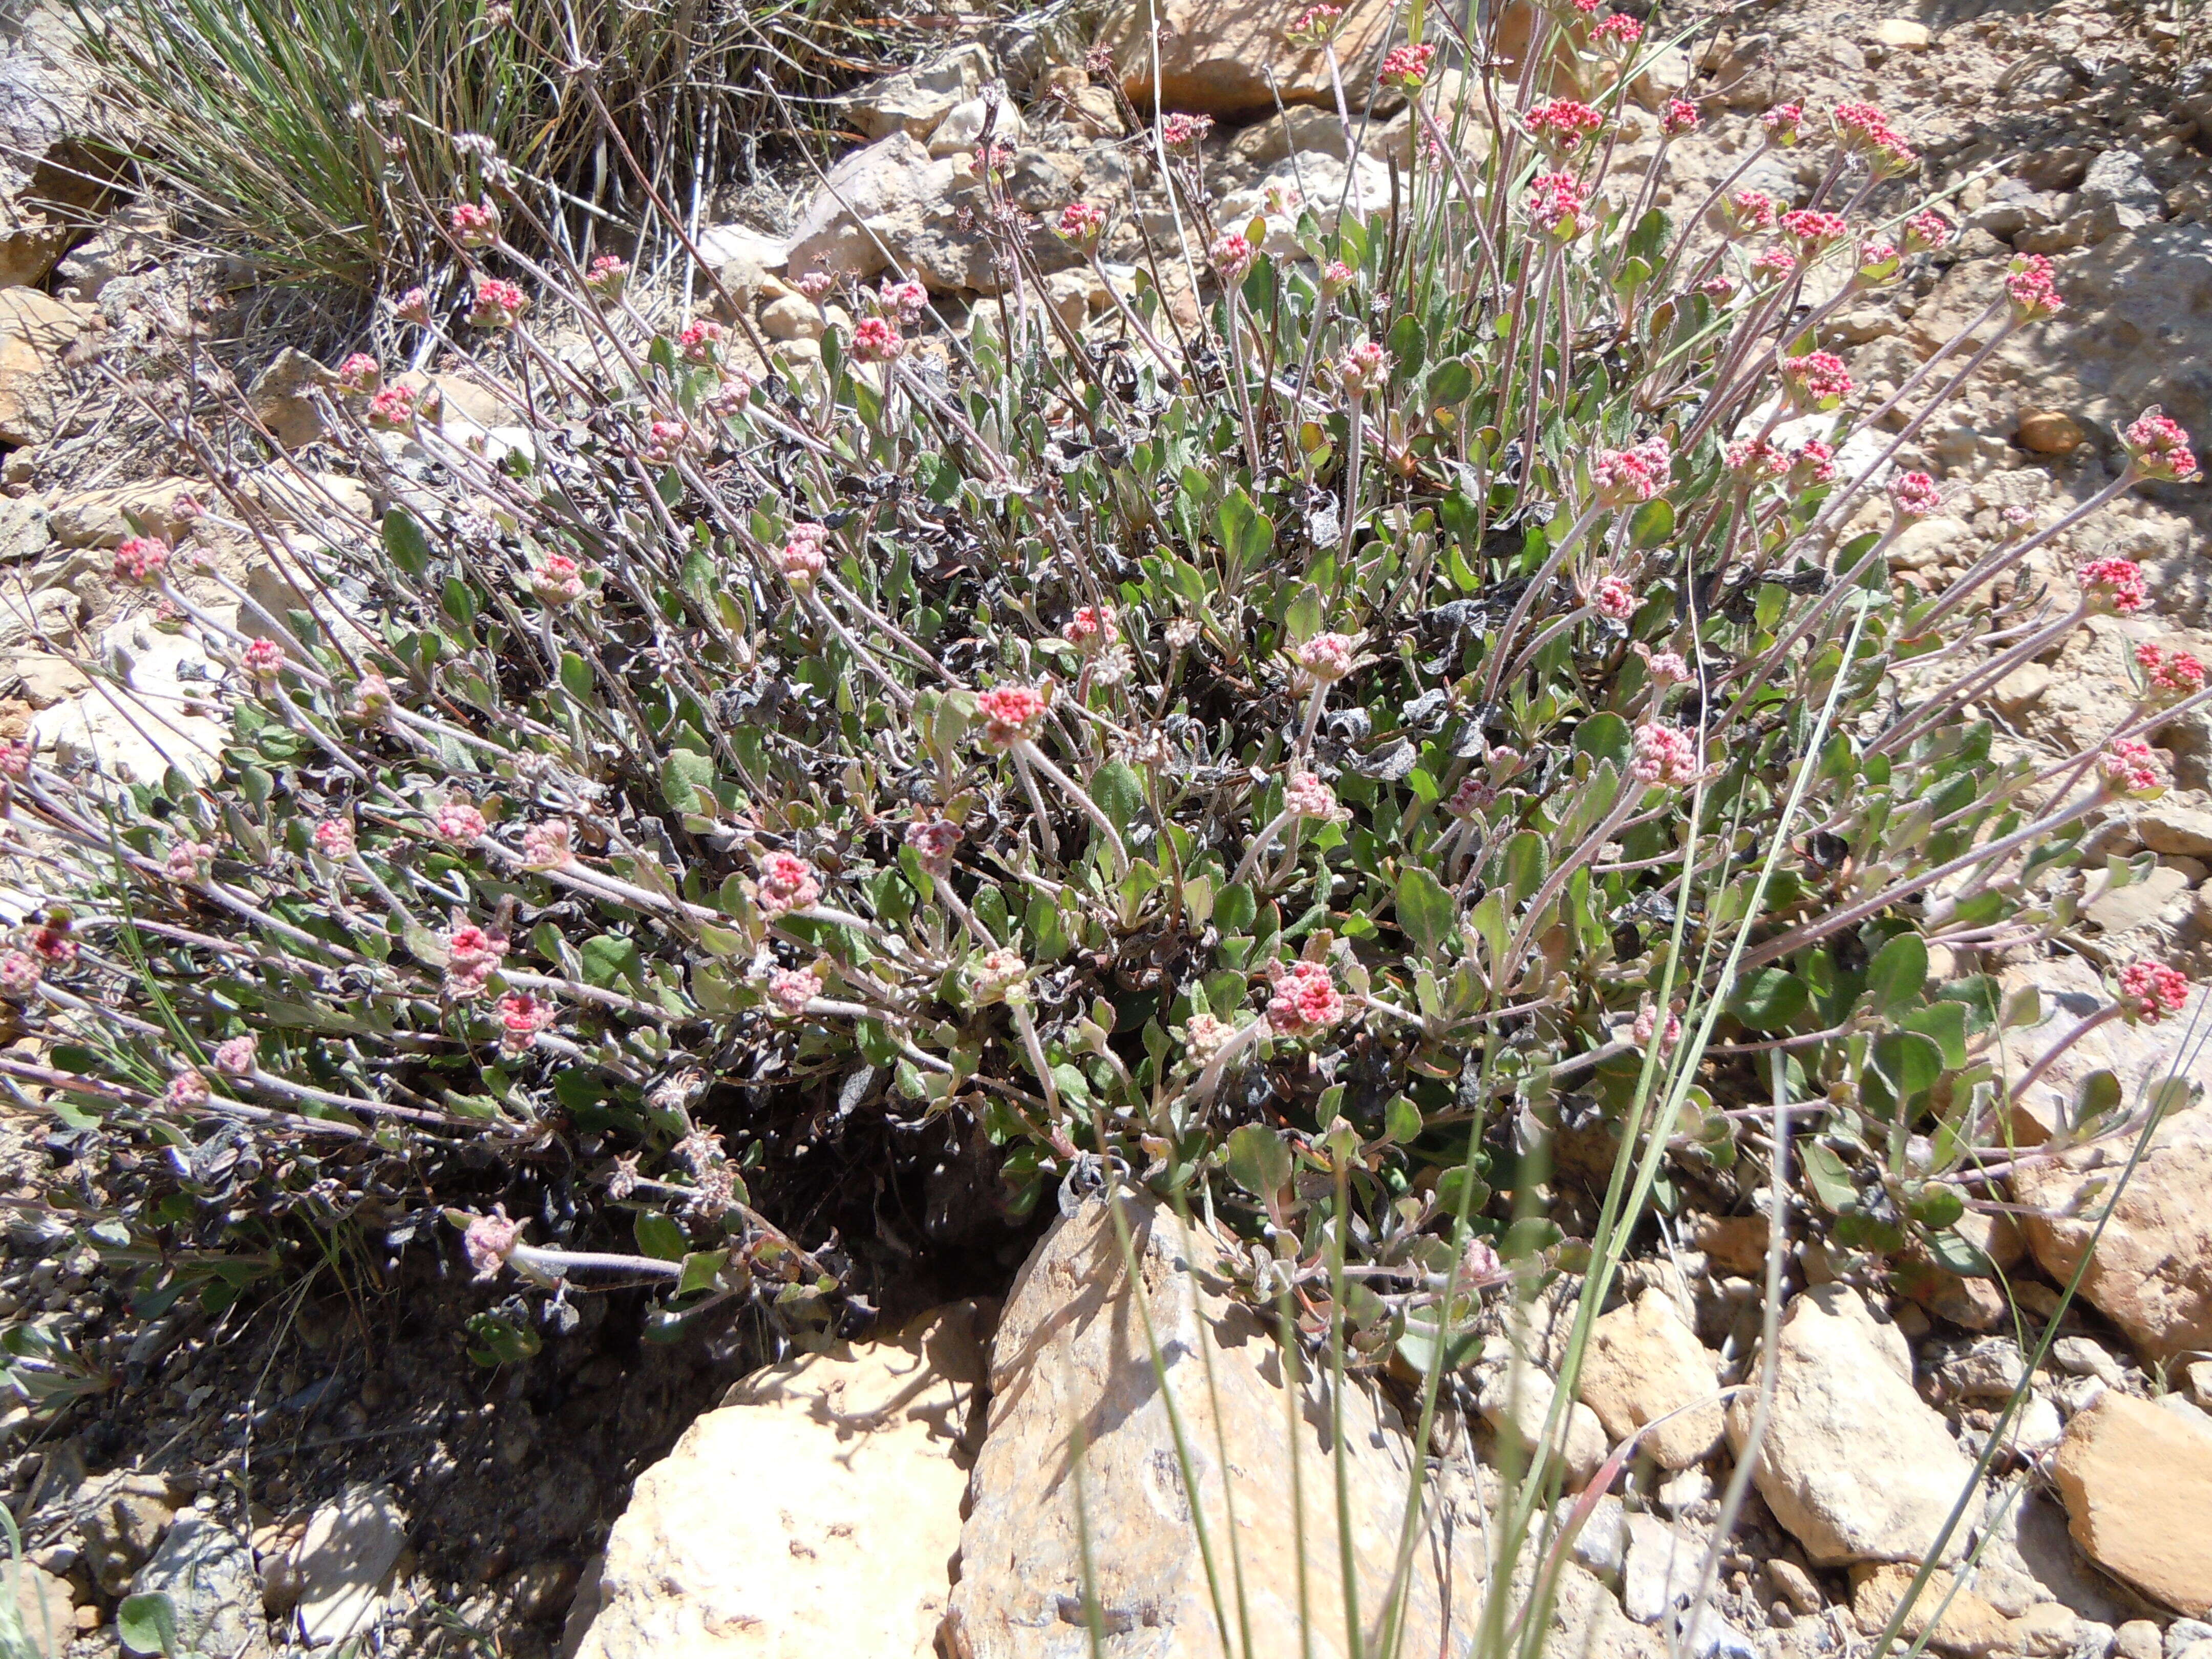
x,y
2123,910
914,102
2137,1485
1214,56
2068,988
343,1564
1967,1625
1904,33
102,517
36,331
1644,1361
816,1512
2152,1272
44,1606
965,124
1854,1463
284,398
1663,1571
1311,182
2168,826
1515,1403
207,1572
1072,1361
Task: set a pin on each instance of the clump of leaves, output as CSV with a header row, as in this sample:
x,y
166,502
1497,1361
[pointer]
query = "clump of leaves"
x,y
1452,699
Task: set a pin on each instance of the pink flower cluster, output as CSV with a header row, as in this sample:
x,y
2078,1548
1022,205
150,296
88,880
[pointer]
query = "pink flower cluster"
x,y
1611,598
1748,211
488,1241
1557,202
2034,294
20,972
50,941
608,277
188,1090
665,441
557,579
2131,768
2115,586
1306,1002
2151,990
1928,230
1664,755
1314,27
1679,118
1817,380
877,340
1647,1026
1753,460
1620,31
334,839
1363,368
1306,796
1782,121
238,1056
1335,277
1865,128
1406,68
2159,447
1180,131
498,304
700,340
140,560
1011,714
15,754
1879,259
392,409
1081,224
2169,674
1774,264
262,660
474,224
548,846
802,558
790,989
1232,256
1815,462
1630,476
472,957
458,822
934,841
787,883
1915,496
905,301
521,1017
188,860
1326,657
359,375
1564,124
1092,630
1813,230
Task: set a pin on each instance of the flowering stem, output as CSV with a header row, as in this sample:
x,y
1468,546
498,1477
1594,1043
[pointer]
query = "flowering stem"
x,y
1631,791
1260,843
1835,921
1027,752
1971,682
1536,585
533,1261
2082,1027
2004,558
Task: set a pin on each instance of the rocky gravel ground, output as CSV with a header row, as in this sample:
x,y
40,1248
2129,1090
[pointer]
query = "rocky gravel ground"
x,y
322,1465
